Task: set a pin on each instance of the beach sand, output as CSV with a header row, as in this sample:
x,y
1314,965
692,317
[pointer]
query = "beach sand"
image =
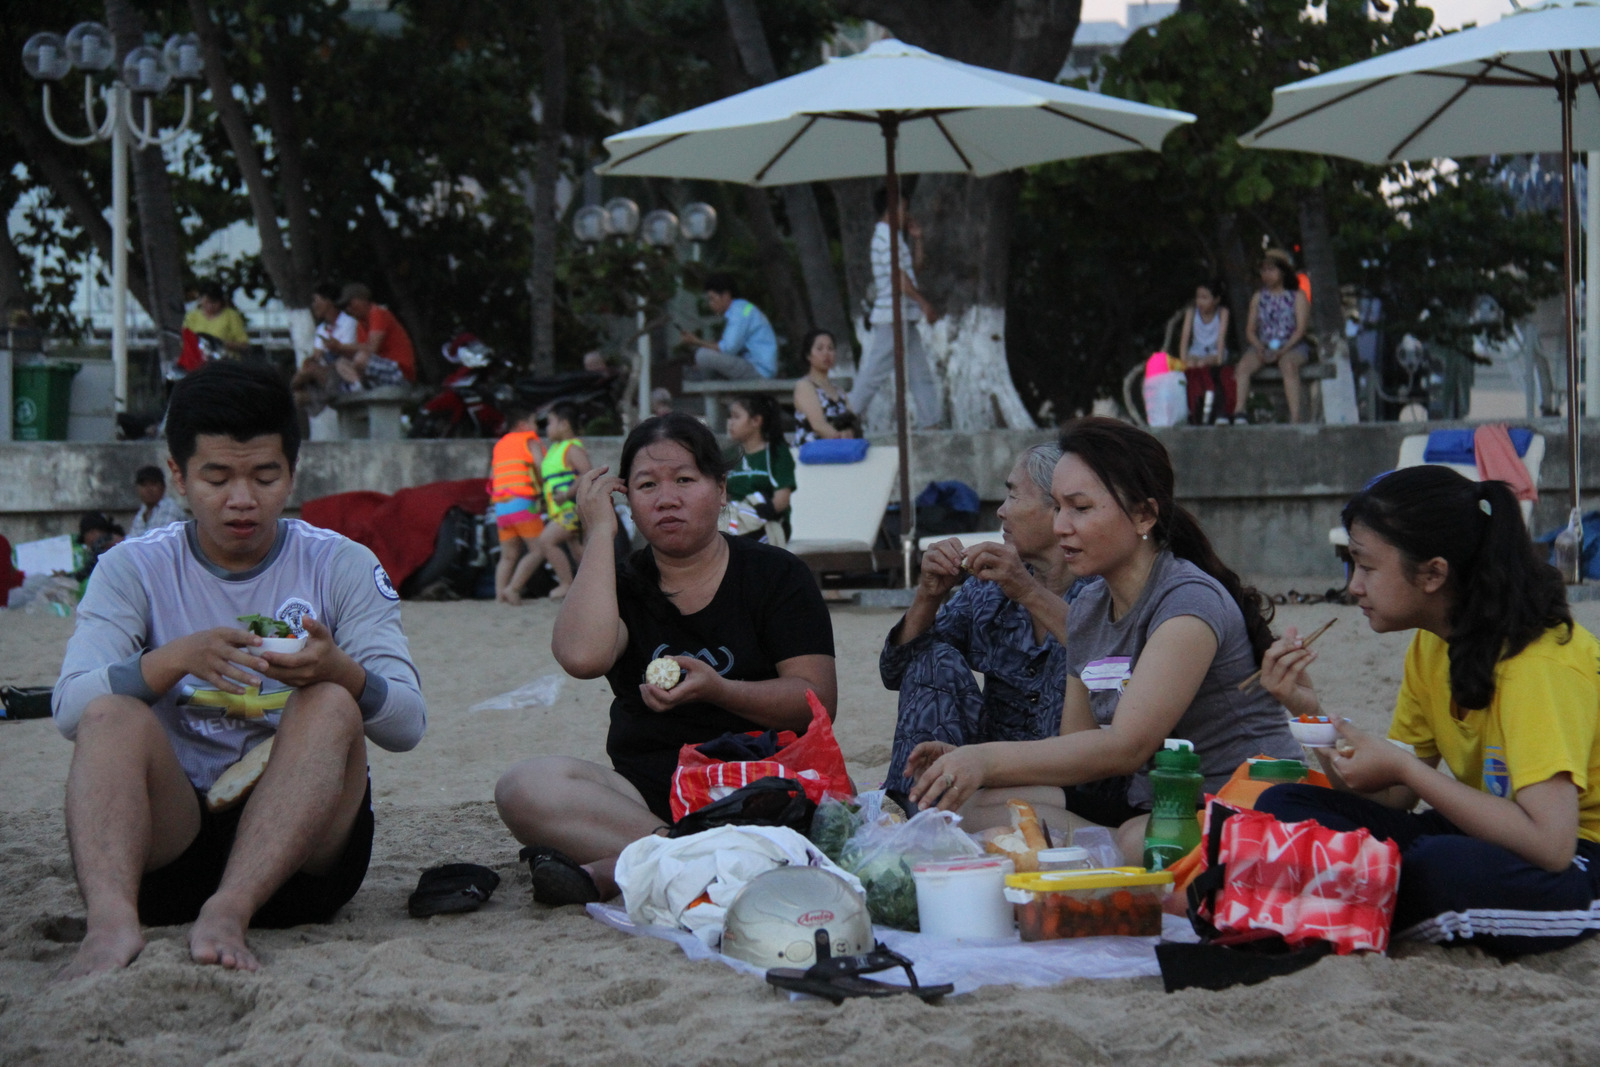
x,y
520,983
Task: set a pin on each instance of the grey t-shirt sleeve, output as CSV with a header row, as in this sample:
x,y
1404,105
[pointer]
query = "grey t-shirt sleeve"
x,y
366,626
1205,602
110,637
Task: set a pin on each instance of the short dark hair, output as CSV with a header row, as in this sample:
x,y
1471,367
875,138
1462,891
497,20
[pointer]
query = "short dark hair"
x,y
96,520
685,430
233,399
515,413
328,291
213,291
567,412
149,475
880,200
720,283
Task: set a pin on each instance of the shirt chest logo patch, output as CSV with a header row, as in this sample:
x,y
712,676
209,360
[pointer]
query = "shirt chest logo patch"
x,y
721,660
1109,675
294,612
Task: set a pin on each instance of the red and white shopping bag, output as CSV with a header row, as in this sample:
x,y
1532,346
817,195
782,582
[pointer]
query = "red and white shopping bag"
x,y
1299,881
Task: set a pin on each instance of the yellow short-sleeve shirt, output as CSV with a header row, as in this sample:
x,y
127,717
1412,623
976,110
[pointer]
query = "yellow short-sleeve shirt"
x,y
1543,720
227,327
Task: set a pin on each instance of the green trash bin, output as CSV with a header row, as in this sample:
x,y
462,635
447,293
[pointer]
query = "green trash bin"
x,y
41,394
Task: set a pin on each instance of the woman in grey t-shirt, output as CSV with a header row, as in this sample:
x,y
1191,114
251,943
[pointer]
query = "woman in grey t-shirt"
x,y
1156,649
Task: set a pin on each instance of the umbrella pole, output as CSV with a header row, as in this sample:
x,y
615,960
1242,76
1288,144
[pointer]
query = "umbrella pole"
x,y
1574,424
908,519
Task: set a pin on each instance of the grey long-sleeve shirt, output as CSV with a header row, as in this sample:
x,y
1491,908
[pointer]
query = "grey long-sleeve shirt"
x,y
154,589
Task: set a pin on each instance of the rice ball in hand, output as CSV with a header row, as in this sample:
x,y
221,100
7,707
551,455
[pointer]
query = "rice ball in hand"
x,y
663,673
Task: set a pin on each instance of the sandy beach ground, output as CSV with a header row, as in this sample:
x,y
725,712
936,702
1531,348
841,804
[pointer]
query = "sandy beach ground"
x,y
520,983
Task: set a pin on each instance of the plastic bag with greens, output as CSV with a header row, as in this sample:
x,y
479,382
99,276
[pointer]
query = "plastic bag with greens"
x,y
884,848
833,824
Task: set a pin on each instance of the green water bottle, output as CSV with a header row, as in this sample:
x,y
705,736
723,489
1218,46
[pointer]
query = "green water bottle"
x,y
1176,783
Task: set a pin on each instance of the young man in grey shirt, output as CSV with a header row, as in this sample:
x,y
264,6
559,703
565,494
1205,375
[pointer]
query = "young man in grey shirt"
x,y
163,689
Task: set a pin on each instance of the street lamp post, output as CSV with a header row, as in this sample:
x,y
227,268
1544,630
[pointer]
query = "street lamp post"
x,y
145,72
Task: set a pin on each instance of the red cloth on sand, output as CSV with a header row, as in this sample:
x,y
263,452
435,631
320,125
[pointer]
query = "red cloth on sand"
x,y
1498,461
400,529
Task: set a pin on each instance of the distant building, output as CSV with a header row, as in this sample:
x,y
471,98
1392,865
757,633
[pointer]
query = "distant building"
x,y
1095,40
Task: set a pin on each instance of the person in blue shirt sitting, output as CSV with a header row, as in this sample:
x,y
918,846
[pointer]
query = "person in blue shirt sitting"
x,y
748,347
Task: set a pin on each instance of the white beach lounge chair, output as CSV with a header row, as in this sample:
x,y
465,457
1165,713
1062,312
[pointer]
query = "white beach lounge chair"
x,y
1412,450
838,508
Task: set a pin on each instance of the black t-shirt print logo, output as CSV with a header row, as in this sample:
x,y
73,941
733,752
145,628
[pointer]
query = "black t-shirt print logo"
x,y
722,663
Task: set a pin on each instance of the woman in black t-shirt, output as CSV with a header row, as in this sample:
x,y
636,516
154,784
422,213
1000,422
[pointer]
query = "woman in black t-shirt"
x,y
745,622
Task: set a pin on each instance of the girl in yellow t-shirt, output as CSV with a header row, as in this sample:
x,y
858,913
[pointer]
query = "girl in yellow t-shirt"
x,y
1500,685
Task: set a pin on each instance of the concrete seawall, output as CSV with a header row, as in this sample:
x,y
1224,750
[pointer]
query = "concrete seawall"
x,y
1267,495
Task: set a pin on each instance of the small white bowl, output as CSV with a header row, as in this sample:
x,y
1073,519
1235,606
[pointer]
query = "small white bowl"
x,y
1314,734
288,645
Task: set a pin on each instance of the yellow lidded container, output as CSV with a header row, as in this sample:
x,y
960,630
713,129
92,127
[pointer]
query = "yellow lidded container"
x,y
1106,901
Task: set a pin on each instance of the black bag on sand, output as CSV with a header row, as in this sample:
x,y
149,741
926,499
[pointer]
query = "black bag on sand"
x,y
764,802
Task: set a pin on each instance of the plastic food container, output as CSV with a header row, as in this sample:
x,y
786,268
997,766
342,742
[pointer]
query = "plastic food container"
x,y
964,899
282,644
1314,732
1064,859
1105,901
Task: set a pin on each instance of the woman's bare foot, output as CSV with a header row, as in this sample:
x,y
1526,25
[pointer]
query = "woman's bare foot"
x,y
509,597
105,949
560,591
218,937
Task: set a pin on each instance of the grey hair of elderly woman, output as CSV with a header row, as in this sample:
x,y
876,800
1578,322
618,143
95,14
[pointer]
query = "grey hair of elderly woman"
x,y
1040,464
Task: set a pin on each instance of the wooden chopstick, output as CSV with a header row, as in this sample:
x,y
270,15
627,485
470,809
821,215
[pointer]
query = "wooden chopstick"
x,y
1304,643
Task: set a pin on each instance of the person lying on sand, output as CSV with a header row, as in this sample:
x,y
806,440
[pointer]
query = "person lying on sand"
x,y
996,609
744,623
1156,649
162,691
1500,684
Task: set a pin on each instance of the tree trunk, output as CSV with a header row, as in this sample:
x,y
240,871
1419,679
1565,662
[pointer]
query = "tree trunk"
x,y
289,147
547,171
1238,275
406,305
13,289
968,221
41,149
788,305
1327,311
241,138
158,218
799,201
852,200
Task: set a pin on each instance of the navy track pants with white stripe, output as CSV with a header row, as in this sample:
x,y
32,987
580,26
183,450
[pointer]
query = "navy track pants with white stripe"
x,y
1455,888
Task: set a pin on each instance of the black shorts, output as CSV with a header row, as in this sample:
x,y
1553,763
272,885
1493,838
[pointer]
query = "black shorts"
x,y
1104,803
174,893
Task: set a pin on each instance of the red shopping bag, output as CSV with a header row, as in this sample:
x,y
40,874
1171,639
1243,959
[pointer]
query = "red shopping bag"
x,y
1299,881
813,759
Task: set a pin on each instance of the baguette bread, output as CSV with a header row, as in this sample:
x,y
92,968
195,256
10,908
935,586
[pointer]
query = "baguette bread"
x,y
234,784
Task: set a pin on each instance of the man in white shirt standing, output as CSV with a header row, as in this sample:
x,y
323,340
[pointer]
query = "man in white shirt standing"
x,y
156,508
877,366
163,689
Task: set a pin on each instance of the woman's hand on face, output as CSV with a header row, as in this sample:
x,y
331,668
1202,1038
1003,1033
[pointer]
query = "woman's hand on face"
x,y
1367,762
950,780
700,682
593,493
1283,674
941,569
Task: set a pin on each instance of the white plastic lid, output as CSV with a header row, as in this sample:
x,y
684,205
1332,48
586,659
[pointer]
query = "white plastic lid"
x,y
1177,744
987,865
1065,854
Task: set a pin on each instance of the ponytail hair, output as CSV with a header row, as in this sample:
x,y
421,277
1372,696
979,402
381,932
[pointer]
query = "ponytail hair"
x,y
1503,595
765,408
1135,467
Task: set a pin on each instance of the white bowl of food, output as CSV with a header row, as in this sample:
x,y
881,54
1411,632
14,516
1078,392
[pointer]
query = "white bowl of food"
x,y
286,645
276,635
1314,731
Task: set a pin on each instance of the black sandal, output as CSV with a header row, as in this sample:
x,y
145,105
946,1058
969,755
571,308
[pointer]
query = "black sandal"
x,y
452,889
558,879
839,977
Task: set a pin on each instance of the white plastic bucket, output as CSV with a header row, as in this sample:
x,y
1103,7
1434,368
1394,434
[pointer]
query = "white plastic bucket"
x,y
964,899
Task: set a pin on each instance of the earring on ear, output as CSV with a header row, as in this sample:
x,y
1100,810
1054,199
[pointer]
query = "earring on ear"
x,y
1144,537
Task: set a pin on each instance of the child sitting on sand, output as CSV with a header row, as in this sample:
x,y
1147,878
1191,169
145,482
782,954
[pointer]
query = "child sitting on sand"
x,y
1501,685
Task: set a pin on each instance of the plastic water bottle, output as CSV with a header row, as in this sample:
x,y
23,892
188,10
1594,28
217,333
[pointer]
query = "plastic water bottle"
x,y
1205,418
1569,549
1176,782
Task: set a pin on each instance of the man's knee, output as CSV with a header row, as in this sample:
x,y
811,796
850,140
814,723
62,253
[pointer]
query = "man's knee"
x,y
325,705
117,716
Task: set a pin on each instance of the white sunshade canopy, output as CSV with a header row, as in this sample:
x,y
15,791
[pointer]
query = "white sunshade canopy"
x,y
1483,91
824,123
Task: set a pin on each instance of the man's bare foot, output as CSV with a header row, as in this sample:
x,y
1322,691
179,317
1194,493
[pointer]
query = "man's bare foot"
x,y
106,949
218,937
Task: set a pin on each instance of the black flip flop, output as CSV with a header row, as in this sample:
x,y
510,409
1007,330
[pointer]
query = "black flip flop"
x,y
451,890
838,978
558,879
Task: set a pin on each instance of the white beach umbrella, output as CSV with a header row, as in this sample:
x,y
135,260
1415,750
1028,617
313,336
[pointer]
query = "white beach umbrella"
x,y
1528,83
893,109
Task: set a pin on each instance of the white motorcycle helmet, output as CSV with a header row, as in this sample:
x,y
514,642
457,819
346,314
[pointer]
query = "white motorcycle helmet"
x,y
774,920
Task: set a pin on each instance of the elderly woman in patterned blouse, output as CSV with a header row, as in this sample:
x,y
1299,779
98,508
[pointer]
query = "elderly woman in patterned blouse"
x,y
999,610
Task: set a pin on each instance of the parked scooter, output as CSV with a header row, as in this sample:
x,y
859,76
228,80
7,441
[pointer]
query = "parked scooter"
x,y
465,404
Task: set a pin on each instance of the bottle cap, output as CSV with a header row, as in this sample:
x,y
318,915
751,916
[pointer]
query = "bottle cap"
x,y
1177,755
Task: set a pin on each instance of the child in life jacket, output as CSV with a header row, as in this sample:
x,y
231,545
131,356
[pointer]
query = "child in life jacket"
x,y
1501,685
565,460
514,494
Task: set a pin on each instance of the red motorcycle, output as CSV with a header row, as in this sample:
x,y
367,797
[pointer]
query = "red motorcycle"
x,y
465,404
